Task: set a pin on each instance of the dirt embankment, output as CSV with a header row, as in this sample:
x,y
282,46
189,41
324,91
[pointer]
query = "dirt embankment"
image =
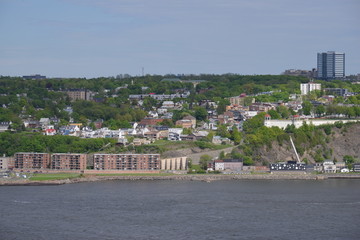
x,y
195,153
341,142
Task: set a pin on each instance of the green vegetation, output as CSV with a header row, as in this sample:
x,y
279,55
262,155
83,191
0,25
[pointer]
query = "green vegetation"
x,y
134,174
11,143
53,176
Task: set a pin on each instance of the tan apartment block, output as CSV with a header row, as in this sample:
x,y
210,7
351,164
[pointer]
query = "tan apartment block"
x,y
127,161
179,163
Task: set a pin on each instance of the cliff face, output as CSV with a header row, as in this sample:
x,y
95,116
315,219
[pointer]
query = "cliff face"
x,y
341,142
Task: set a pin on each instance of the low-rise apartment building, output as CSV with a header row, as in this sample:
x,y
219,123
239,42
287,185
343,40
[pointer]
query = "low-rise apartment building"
x,y
68,161
31,160
127,161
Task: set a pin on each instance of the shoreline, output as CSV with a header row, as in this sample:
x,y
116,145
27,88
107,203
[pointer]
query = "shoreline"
x,y
187,177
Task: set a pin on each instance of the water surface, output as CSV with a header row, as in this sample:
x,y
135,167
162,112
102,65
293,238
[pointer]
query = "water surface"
x,y
242,209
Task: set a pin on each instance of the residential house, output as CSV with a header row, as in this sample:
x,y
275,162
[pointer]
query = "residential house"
x,y
226,118
151,121
261,107
184,123
329,166
168,104
4,126
175,134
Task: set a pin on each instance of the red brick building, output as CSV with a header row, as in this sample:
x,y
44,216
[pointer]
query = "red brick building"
x,y
31,160
127,161
68,161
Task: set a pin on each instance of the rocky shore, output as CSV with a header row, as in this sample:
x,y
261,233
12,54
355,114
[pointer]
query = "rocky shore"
x,y
188,177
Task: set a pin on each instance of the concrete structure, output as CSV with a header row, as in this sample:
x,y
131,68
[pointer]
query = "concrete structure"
x,y
306,88
30,160
299,122
179,163
127,161
6,163
68,161
331,65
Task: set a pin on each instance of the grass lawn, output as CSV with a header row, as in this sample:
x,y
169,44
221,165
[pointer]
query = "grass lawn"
x,y
53,176
134,174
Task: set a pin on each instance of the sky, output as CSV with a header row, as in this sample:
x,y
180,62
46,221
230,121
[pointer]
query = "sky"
x,y
102,38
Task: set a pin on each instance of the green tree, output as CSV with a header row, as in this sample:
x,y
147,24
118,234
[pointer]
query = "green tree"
x,y
204,160
274,114
283,111
235,135
320,110
307,107
200,113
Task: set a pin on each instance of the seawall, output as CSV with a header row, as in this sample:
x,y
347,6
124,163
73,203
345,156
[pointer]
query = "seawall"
x,y
187,177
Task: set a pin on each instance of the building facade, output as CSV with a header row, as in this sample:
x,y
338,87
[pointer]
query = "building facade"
x,y
29,160
68,161
331,65
127,161
179,163
306,88
6,163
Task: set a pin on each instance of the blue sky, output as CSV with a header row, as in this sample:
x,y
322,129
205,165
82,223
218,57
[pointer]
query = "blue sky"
x,y
93,38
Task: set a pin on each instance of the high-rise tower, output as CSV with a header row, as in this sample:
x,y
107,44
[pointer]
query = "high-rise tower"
x,y
331,65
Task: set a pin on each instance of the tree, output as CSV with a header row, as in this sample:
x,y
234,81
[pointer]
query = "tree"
x,y
254,123
222,106
274,114
204,160
283,111
235,135
200,113
307,107
320,110
222,155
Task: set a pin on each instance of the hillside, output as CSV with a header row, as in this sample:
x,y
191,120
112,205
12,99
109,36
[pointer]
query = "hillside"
x,y
340,142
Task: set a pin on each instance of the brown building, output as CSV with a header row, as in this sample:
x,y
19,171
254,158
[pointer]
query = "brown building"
x,y
184,123
68,161
79,94
127,161
151,121
31,160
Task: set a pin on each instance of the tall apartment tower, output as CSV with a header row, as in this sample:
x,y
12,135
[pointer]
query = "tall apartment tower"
x,y
331,65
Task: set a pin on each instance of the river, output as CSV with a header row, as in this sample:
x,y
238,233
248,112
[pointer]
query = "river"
x,y
232,209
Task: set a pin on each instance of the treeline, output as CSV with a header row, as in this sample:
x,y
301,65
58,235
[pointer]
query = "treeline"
x,y
11,143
